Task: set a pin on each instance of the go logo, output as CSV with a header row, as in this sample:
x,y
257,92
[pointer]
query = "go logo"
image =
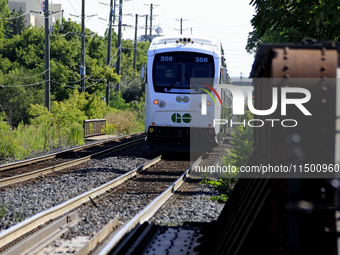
x,y
177,118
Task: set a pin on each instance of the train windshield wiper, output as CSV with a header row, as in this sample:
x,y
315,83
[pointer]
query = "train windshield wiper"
x,y
177,78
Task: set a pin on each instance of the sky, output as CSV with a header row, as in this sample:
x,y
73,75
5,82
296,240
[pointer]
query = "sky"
x,y
225,20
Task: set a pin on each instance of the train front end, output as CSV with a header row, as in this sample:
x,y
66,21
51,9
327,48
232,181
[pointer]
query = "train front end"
x,y
180,73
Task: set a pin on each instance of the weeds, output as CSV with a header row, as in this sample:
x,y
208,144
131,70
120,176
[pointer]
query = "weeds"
x,y
3,209
237,156
63,125
225,185
91,128
223,198
76,134
123,122
20,216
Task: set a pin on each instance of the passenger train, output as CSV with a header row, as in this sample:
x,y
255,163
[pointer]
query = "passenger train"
x,y
181,97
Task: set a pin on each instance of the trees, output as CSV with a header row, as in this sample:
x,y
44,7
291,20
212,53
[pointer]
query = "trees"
x,y
4,13
22,55
294,20
17,25
65,61
15,100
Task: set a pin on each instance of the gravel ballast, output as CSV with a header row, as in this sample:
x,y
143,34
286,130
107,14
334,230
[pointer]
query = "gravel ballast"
x,y
128,199
191,204
19,202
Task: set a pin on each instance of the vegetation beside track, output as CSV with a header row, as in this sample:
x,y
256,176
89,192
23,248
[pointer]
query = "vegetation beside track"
x,y
63,125
25,125
242,147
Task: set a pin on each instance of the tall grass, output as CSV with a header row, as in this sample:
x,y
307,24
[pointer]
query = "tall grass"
x,y
10,144
123,122
62,125
76,134
20,142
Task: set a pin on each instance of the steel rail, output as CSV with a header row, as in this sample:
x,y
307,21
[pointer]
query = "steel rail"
x,y
148,211
51,232
11,234
10,166
51,169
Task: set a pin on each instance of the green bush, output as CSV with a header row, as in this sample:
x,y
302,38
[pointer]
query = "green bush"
x,y
237,156
62,125
109,129
10,144
139,108
117,102
242,147
76,134
124,122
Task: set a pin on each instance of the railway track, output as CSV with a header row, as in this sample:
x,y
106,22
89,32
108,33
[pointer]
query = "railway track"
x,y
157,183
35,167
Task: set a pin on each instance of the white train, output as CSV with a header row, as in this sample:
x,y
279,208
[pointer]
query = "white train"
x,y
181,99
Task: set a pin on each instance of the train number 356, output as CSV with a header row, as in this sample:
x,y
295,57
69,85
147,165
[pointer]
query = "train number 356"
x,y
205,60
167,58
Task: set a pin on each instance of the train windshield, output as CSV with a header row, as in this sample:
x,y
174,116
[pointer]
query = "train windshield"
x,y
172,70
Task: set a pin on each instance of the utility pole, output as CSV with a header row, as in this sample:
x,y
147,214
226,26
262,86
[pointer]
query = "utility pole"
x,y
82,61
135,44
181,25
47,56
151,17
151,7
119,39
112,11
146,27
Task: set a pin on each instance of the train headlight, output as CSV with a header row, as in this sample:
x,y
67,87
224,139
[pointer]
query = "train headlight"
x,y
179,99
208,104
160,103
184,40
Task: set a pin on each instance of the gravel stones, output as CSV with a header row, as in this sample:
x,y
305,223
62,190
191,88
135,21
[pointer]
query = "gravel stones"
x,y
19,202
128,199
191,204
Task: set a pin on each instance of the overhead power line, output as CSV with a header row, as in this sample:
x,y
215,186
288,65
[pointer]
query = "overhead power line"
x,y
16,17
79,86
27,77
24,85
37,83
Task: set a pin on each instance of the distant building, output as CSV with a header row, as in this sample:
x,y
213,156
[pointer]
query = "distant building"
x,y
142,37
35,19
